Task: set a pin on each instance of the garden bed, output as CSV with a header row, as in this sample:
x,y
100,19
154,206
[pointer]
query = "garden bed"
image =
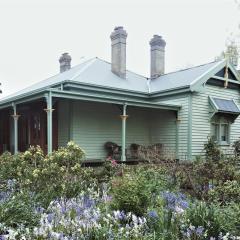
x,y
55,197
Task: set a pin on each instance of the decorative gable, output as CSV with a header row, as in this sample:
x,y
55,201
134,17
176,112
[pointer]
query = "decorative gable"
x,y
231,75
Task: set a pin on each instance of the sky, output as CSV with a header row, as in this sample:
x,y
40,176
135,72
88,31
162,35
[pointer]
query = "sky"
x,y
34,33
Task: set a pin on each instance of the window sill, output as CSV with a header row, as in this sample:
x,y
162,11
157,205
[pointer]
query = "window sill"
x,y
224,144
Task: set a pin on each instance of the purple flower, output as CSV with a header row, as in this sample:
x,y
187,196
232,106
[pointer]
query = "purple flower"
x,y
39,210
184,204
119,215
108,198
193,231
63,209
88,202
153,214
175,200
199,231
50,217
79,211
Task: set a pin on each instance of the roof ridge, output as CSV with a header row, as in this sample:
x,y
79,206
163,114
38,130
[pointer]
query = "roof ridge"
x,y
44,80
75,66
126,69
89,62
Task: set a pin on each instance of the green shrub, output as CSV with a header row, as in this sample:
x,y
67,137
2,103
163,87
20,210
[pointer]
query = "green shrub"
x,y
137,189
236,147
52,176
215,219
202,214
19,210
130,194
213,152
109,169
225,193
230,218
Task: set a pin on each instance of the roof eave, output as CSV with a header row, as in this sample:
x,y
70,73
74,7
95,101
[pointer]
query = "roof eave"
x,y
100,88
115,100
170,92
197,84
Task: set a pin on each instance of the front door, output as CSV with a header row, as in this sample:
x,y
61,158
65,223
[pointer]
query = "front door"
x,y
23,132
38,129
33,127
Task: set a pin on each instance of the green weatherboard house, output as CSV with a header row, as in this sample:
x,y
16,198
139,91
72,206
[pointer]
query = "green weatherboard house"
x,y
97,102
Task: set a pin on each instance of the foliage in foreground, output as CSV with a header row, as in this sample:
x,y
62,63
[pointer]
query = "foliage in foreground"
x,y
55,198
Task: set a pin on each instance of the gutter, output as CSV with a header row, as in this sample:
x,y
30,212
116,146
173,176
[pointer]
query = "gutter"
x,y
106,99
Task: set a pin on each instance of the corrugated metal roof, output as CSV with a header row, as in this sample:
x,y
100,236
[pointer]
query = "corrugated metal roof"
x,y
179,79
97,72
93,71
225,105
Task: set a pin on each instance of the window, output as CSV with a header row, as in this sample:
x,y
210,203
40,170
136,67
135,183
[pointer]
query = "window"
x,y
220,131
214,131
224,133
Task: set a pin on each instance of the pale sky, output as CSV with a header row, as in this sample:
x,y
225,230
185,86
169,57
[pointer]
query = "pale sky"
x,y
34,33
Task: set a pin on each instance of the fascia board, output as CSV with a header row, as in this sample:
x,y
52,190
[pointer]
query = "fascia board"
x,y
170,92
78,85
215,107
92,97
235,72
197,83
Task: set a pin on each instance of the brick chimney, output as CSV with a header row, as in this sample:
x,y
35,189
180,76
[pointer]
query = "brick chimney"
x,y
65,62
157,45
118,37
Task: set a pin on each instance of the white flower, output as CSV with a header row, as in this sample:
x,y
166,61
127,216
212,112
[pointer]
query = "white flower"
x,y
135,219
191,227
179,210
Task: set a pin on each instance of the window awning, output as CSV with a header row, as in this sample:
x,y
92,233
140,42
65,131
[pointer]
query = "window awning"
x,y
224,106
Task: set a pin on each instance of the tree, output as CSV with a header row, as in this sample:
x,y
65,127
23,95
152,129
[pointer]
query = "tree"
x,y
232,53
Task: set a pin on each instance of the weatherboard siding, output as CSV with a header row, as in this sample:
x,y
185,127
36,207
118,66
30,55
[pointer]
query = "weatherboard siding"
x,y
92,124
96,123
163,131
183,129
63,122
201,118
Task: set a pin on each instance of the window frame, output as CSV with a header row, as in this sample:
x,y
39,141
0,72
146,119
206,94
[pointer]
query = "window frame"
x,y
219,122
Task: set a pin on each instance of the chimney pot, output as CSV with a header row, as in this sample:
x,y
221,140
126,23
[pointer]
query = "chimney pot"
x,y
118,64
157,45
65,62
